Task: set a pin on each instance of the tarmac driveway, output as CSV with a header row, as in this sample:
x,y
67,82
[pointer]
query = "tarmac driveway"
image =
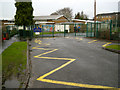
x,y
72,63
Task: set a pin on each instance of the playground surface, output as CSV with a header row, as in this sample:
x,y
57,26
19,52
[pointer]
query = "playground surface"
x,y
72,62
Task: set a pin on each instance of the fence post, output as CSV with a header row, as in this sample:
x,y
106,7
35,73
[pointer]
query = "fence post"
x,y
97,31
91,30
53,30
87,30
8,32
110,29
75,29
64,29
42,30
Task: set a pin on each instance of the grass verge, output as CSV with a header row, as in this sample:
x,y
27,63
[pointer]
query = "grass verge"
x,y
115,47
14,59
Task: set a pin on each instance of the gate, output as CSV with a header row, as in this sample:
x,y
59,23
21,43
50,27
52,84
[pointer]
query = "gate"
x,y
104,30
63,29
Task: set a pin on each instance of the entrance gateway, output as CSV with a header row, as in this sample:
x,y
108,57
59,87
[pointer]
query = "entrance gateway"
x,y
62,29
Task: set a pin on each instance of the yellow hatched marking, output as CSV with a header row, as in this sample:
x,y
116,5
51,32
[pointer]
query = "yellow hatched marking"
x,y
41,78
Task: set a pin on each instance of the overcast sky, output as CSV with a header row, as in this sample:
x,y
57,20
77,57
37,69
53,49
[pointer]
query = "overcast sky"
x,y
46,7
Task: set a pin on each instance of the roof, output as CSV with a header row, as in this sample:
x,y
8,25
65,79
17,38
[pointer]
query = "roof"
x,y
105,14
9,23
50,17
78,20
44,22
68,23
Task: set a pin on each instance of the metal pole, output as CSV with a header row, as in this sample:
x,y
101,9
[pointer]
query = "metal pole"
x,y
42,30
94,18
97,31
91,30
64,29
87,31
53,29
110,29
75,29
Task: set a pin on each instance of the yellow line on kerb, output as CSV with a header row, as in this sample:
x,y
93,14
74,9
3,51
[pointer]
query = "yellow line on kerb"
x,y
106,44
41,78
92,41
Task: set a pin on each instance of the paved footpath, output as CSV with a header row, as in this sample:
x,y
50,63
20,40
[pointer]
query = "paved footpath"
x,y
6,43
72,63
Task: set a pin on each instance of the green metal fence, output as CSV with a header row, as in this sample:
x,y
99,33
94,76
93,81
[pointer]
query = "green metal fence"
x,y
9,31
104,30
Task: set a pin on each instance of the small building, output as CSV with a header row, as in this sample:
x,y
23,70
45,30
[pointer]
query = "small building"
x,y
51,19
104,17
79,21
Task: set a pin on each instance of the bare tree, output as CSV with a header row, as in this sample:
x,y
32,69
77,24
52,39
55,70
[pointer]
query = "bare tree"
x,y
67,12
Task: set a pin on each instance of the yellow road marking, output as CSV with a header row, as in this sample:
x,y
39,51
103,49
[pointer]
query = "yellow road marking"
x,y
75,84
47,44
41,78
92,41
46,53
49,73
80,39
66,37
40,48
54,58
106,44
40,42
76,38
101,42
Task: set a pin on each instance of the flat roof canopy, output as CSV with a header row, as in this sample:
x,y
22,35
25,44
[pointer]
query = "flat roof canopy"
x,y
44,22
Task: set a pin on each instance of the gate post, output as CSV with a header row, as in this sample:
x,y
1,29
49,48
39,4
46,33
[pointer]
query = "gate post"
x,y
53,30
110,29
97,31
91,30
75,29
87,30
42,30
64,29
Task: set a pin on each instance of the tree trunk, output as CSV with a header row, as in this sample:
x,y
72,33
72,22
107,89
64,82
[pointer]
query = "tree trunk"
x,y
24,27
